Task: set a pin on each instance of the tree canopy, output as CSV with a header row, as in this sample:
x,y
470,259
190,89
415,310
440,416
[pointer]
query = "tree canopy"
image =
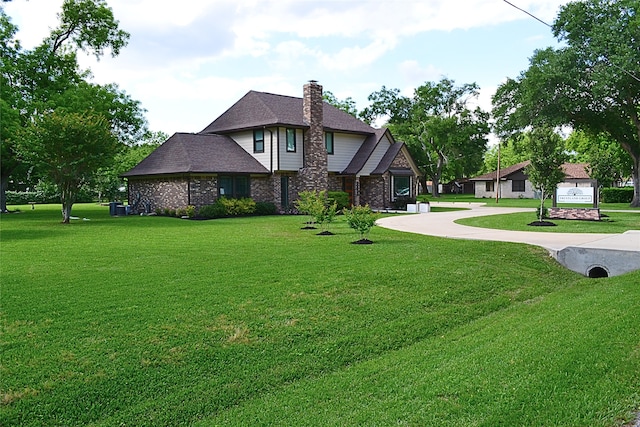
x,y
446,137
592,83
47,82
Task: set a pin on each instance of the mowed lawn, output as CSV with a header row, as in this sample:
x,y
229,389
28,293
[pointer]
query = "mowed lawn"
x,y
253,321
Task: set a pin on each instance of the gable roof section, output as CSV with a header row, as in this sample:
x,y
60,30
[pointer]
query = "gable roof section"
x,y
571,171
364,152
197,153
258,109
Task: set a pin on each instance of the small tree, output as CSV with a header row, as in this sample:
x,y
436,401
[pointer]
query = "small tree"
x,y
546,149
68,148
362,219
326,216
310,203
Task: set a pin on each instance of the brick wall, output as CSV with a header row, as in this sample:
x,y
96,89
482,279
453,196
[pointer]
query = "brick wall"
x,y
161,193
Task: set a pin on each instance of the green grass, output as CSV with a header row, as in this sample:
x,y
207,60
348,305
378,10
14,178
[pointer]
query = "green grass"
x,y
613,222
253,321
520,203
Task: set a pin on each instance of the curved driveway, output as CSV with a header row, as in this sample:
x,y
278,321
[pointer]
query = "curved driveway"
x,y
442,224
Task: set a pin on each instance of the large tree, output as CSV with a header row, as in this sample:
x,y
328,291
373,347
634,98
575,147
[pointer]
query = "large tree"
x,y
608,163
42,80
446,137
591,83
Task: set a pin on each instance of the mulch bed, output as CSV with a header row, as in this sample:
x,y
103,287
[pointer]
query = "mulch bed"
x,y
542,224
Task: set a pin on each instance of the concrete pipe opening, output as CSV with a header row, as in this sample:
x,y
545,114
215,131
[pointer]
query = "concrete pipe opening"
x,y
598,273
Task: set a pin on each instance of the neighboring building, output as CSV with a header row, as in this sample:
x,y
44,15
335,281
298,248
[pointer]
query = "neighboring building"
x,y
514,182
271,147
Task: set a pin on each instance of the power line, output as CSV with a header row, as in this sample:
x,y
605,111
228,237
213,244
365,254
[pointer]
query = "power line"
x,y
550,26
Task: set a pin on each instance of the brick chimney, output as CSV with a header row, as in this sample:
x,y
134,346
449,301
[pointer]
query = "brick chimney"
x,y
314,174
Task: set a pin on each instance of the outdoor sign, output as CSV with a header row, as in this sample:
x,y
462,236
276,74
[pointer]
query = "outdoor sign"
x,y
574,195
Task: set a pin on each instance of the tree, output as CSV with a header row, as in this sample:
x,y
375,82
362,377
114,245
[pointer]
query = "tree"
x,y
68,148
608,163
445,137
592,83
512,151
547,154
48,78
347,105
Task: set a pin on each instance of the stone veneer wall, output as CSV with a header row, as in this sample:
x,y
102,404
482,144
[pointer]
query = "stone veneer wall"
x,y
314,174
592,214
262,189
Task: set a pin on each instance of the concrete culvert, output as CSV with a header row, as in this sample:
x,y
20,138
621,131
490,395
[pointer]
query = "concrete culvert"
x,y
597,273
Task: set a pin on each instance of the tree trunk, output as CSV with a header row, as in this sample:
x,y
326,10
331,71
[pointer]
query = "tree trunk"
x,y
67,196
4,184
541,204
635,178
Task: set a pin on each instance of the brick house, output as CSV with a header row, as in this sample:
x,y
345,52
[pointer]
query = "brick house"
x,y
271,147
514,182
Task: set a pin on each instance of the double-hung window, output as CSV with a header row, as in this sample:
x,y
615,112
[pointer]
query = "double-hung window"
x,y
291,140
328,142
517,185
258,141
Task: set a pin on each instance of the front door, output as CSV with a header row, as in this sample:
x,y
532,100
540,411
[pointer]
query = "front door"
x,y
347,187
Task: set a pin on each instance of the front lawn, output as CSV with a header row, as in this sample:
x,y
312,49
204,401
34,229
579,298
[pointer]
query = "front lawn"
x,y
254,321
612,222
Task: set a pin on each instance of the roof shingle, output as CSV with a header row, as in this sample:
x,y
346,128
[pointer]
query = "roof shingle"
x,y
197,153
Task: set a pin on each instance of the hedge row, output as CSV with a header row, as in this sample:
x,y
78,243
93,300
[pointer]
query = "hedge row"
x,y
616,195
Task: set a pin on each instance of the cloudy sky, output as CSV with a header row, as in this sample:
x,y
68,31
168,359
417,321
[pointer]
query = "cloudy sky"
x,y
188,61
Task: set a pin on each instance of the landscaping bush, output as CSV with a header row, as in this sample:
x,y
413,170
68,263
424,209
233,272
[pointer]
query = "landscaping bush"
x,y
616,195
341,198
224,207
265,208
400,203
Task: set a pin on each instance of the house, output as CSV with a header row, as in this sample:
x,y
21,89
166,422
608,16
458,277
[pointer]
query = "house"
x,y
271,147
514,182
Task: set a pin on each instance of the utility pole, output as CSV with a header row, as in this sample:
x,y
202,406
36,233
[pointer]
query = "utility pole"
x,y
498,176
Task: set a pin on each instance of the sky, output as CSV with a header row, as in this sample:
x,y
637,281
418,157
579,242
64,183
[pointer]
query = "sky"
x,y
188,61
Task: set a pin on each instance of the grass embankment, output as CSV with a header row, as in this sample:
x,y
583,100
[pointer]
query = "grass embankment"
x,y
253,321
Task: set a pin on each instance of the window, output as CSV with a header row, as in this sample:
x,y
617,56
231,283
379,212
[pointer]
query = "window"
x,y
517,185
291,140
233,187
258,141
489,186
328,142
401,186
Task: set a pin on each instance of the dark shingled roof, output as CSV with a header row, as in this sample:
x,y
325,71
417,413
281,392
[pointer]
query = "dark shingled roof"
x,y
257,109
197,153
571,171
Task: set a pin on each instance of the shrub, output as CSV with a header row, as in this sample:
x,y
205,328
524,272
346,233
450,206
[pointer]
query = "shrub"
x,y
422,198
616,195
265,208
400,203
224,207
341,199
310,203
361,218
190,211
